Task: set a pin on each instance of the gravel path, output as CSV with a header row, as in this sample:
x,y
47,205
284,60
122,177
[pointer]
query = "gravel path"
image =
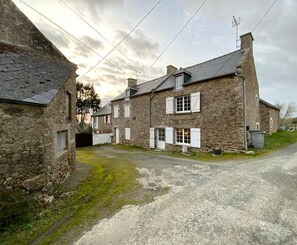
x,y
248,202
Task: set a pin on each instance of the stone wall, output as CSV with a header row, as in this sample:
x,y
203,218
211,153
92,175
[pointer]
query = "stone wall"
x,y
220,118
14,21
28,136
252,89
269,119
103,128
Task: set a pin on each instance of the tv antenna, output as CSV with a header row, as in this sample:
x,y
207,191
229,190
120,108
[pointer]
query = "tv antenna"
x,y
236,22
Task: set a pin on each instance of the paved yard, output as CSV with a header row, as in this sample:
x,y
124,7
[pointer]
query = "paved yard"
x,y
248,202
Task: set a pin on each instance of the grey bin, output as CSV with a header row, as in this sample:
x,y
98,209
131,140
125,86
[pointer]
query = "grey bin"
x,y
257,137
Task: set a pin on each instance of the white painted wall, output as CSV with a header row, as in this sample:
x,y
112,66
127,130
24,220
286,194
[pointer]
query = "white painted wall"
x,y
101,138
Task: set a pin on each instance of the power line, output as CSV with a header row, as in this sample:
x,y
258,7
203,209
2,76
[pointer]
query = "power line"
x,y
264,15
98,32
252,32
82,43
123,38
174,38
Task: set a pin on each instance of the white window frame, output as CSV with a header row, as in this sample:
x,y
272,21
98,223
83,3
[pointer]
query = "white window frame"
x,y
257,125
127,133
62,141
179,81
116,111
271,122
95,122
183,136
183,104
127,110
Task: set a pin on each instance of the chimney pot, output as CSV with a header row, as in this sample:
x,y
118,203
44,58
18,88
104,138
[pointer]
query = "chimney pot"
x,y
132,82
247,41
171,69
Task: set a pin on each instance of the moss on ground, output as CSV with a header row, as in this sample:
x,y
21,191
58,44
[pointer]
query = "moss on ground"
x,y
111,184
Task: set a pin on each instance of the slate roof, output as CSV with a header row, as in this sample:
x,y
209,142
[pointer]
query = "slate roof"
x,y
144,88
221,66
268,104
30,77
105,110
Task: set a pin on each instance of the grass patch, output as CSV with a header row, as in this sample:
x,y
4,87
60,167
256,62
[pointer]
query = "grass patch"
x,y
111,185
272,143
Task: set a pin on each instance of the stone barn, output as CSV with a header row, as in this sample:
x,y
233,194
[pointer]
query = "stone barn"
x,y
37,106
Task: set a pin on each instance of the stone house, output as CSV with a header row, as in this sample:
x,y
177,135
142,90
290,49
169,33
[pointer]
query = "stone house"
x,y
208,105
270,119
101,125
37,106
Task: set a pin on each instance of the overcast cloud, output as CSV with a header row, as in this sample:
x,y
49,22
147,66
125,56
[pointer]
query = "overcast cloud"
x,y
209,34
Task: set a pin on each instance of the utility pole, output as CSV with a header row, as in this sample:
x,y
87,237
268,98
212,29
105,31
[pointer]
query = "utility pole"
x,y
236,22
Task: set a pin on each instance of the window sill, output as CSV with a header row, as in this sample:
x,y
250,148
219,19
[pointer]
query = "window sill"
x,y
183,112
62,153
183,144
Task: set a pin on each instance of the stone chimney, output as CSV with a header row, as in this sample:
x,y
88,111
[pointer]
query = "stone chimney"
x,y
171,69
132,82
247,41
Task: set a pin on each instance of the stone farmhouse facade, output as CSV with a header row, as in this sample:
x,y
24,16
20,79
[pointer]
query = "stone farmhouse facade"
x,y
201,107
101,125
37,106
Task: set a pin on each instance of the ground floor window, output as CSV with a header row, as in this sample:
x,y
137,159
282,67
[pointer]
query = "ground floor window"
x,y
161,134
183,136
62,140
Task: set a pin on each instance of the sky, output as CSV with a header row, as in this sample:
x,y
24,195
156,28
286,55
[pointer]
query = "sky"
x,y
103,24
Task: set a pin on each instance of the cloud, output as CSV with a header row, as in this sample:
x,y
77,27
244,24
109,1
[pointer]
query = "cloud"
x,y
58,37
139,44
94,8
93,43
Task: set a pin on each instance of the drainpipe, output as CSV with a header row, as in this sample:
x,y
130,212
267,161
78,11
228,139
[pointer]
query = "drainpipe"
x,y
238,72
150,107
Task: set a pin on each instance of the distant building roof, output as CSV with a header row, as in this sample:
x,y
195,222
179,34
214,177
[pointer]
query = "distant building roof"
x,y
27,76
211,69
105,110
269,105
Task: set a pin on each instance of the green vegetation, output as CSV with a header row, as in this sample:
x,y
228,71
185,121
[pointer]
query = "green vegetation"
x,y
111,184
273,143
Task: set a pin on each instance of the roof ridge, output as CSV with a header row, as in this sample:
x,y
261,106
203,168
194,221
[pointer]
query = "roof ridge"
x,y
153,80
236,51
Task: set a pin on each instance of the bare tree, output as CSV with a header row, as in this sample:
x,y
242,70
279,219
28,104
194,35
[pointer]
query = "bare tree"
x,y
286,110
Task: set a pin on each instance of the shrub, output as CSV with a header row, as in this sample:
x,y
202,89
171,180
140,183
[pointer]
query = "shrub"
x,y
15,207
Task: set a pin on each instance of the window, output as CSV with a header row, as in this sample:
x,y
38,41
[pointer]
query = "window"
x,y
62,140
107,119
183,104
127,110
116,111
127,134
179,82
161,134
68,105
183,136
95,122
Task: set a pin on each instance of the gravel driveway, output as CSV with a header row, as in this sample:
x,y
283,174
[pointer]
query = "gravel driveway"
x,y
247,202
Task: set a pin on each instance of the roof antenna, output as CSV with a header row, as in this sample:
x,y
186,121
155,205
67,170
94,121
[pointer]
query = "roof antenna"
x,y
236,22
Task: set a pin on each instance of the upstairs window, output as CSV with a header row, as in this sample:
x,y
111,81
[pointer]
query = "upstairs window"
x,y
116,111
95,122
179,82
127,110
183,104
107,119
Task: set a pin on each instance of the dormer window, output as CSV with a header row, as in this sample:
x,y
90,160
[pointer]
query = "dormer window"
x,y
179,80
